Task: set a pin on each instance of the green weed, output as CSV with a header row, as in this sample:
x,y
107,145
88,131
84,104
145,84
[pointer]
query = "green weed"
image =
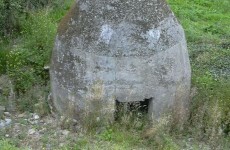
x,y
6,145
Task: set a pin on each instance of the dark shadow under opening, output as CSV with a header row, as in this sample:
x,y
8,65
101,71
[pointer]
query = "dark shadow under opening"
x,y
136,108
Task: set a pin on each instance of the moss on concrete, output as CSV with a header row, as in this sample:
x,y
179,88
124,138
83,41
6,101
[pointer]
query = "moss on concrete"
x,y
64,24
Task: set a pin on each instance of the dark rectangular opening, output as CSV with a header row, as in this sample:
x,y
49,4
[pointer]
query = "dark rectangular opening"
x,y
138,108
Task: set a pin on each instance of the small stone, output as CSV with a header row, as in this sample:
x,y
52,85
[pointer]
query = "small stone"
x,y
2,124
21,115
74,121
7,114
42,121
36,117
65,132
8,121
46,67
31,131
7,135
61,144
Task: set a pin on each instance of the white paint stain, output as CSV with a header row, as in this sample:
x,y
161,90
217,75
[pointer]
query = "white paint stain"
x,y
154,34
106,33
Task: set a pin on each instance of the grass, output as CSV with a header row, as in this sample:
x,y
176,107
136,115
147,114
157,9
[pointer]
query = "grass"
x,y
6,145
206,24
207,29
204,21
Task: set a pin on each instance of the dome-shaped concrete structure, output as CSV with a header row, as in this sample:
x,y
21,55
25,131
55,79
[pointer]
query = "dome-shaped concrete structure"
x,y
130,50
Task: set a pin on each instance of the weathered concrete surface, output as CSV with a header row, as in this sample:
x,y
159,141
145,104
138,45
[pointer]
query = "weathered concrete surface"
x,y
125,50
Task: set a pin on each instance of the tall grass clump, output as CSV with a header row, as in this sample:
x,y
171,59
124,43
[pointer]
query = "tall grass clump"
x,y
209,118
6,145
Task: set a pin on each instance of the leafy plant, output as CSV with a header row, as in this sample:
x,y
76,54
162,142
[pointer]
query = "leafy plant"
x,y
107,135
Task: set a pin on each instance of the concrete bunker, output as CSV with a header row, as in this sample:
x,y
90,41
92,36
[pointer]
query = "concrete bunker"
x,y
107,50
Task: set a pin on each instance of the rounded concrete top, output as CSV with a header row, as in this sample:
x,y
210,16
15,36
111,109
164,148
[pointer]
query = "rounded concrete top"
x,y
120,28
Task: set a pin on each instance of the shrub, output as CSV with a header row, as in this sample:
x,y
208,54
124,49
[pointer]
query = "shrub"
x,y
20,71
39,32
26,63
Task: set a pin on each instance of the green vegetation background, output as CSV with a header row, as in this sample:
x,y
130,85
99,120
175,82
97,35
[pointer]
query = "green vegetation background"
x,y
27,33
